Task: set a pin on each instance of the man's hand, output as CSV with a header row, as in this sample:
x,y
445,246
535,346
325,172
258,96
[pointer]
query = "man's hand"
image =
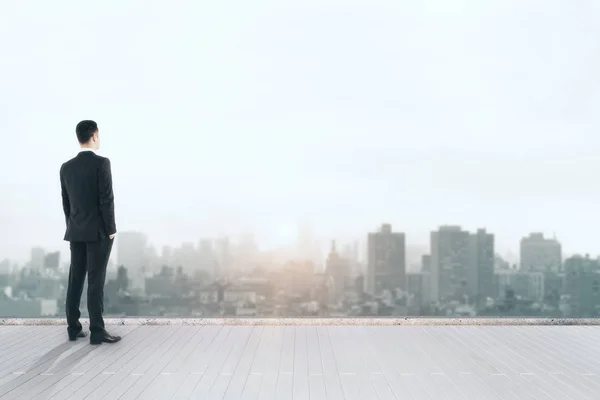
x,y
112,236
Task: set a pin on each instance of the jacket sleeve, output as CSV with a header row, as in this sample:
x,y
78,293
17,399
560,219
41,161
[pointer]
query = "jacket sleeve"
x,y
107,198
65,196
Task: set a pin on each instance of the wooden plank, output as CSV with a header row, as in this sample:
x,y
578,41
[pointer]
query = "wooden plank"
x,y
286,365
333,384
306,362
153,366
119,371
25,353
241,371
47,382
300,389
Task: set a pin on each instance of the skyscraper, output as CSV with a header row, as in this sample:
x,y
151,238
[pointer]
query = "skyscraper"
x,y
450,261
425,263
207,258
37,258
224,257
481,269
386,266
539,254
132,250
338,269
52,260
582,285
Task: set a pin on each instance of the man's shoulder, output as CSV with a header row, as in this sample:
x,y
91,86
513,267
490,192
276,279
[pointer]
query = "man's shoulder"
x,y
102,162
67,164
98,160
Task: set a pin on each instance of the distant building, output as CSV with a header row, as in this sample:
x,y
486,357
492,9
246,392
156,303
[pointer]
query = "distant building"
x,y
481,268
554,287
245,256
582,286
526,285
132,254
37,258
5,268
162,284
224,257
5,281
386,266
540,254
297,280
28,308
338,269
187,257
241,295
500,263
207,258
425,263
359,285
52,260
418,292
450,262
208,295
351,253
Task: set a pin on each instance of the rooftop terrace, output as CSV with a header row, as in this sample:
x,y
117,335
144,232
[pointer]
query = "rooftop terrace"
x,y
304,359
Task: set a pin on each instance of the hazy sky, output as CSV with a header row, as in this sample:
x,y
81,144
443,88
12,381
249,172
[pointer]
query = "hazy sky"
x,y
225,117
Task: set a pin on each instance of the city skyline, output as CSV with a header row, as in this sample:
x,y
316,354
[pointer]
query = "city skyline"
x,y
321,245
461,276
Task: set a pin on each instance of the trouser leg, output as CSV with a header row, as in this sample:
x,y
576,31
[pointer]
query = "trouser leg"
x,y
77,272
98,254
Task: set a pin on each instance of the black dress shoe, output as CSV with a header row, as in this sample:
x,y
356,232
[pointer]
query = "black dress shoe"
x,y
73,337
104,337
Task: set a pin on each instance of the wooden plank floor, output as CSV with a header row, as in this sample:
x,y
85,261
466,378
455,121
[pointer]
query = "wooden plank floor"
x,y
304,362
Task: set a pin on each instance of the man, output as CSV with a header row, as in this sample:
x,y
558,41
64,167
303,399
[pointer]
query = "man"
x,y
88,203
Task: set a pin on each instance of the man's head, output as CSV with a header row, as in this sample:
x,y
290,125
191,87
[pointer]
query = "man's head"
x,y
87,134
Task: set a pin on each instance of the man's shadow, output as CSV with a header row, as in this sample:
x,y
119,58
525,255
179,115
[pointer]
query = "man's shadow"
x,y
47,364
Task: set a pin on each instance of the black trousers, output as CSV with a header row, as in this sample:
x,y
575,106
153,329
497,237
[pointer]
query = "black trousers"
x,y
91,258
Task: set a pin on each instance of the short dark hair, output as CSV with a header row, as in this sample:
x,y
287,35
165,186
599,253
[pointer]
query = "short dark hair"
x,y
85,130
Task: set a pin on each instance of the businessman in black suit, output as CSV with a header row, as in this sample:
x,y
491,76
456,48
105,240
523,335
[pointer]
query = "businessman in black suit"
x,y
88,203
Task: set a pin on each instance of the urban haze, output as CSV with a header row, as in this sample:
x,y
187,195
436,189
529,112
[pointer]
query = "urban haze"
x,y
310,158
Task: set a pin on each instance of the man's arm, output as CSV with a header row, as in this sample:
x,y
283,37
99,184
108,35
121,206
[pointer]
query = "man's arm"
x,y
107,198
65,196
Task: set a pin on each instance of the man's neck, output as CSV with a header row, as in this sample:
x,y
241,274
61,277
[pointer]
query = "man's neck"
x,y
86,148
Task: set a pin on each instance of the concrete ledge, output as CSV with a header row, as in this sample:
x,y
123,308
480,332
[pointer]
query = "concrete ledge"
x,y
314,321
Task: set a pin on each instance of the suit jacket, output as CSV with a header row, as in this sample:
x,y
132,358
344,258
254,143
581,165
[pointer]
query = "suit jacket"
x,y
87,197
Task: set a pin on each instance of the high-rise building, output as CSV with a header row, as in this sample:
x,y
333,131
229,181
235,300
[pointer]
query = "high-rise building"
x,y
351,254
166,256
186,257
206,257
308,248
386,265
132,254
338,269
539,254
359,285
5,268
527,285
224,257
418,292
37,258
425,263
246,253
582,286
481,269
450,262
52,260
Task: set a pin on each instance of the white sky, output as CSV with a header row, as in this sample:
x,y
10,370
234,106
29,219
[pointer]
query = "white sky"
x,y
225,117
